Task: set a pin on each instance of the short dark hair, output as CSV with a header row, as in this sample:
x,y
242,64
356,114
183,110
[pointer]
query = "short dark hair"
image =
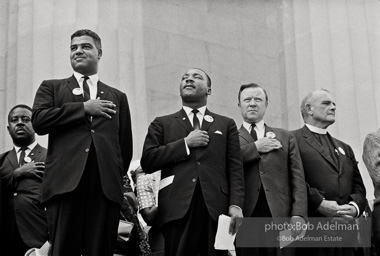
x,y
90,33
208,78
252,85
18,106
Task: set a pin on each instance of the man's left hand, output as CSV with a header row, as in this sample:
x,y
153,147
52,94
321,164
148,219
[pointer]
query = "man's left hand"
x,y
236,215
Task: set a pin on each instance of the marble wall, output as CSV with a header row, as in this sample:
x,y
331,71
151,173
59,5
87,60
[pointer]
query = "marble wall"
x,y
290,47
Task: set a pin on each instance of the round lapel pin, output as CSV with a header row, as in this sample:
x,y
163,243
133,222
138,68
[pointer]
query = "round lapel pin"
x,y
209,118
77,91
271,135
341,151
27,159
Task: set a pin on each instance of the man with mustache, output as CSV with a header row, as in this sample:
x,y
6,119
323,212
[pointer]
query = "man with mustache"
x,y
334,184
21,171
199,157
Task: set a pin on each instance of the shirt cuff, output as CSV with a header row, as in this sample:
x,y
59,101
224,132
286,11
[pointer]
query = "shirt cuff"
x,y
357,208
236,207
187,148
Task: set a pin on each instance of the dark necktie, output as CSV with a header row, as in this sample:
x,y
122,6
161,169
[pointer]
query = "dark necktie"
x,y
86,89
253,132
196,124
22,156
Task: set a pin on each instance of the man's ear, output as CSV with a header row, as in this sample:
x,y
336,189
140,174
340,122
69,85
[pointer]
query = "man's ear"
x,y
8,129
100,53
208,91
308,109
239,104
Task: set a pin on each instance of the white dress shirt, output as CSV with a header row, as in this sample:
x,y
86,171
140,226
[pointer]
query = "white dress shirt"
x,y
92,82
259,128
27,150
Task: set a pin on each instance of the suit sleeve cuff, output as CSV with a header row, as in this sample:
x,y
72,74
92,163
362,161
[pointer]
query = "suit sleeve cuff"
x,y
356,207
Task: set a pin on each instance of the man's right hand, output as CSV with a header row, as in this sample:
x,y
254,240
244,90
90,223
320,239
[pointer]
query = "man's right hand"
x,y
265,145
197,138
33,170
99,107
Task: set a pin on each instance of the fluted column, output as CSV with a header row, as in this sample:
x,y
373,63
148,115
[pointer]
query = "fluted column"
x,y
35,43
335,45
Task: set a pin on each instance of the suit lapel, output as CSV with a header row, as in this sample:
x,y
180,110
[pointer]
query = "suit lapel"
x,y
73,86
102,91
206,123
183,120
35,152
12,158
313,142
245,135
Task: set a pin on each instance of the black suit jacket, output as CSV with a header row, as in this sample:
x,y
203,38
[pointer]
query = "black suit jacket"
x,y
340,182
280,172
217,166
57,111
22,200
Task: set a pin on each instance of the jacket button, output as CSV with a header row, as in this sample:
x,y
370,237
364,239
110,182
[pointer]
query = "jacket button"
x,y
15,194
194,180
86,150
261,173
198,163
92,131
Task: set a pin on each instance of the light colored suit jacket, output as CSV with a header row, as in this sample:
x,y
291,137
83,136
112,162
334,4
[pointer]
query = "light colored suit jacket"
x,y
371,158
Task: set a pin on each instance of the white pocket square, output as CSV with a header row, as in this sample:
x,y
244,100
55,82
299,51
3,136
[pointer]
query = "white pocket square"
x,y
218,132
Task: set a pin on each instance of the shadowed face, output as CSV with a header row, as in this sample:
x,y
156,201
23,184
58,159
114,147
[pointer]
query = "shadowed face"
x,y
84,55
193,86
20,127
253,104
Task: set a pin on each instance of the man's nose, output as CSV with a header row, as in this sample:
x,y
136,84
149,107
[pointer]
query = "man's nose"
x,y
20,121
79,50
252,102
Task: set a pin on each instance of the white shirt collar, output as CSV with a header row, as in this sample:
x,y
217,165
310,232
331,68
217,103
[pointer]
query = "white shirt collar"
x,y
316,129
30,147
260,125
93,78
188,110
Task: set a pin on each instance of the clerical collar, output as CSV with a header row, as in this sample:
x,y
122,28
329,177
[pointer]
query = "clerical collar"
x,y
260,125
188,110
316,129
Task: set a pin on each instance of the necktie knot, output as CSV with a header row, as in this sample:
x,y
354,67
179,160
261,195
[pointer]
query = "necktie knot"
x,y
196,123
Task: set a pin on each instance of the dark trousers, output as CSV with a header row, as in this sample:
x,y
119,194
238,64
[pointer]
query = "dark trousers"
x,y
13,243
195,233
83,222
376,228
262,210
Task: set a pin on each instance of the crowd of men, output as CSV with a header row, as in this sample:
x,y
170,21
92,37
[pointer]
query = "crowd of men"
x,y
71,193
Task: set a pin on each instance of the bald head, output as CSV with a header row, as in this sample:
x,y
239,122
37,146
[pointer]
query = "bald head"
x,y
318,109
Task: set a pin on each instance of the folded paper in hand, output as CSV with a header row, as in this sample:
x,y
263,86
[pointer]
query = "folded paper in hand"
x,y
224,240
